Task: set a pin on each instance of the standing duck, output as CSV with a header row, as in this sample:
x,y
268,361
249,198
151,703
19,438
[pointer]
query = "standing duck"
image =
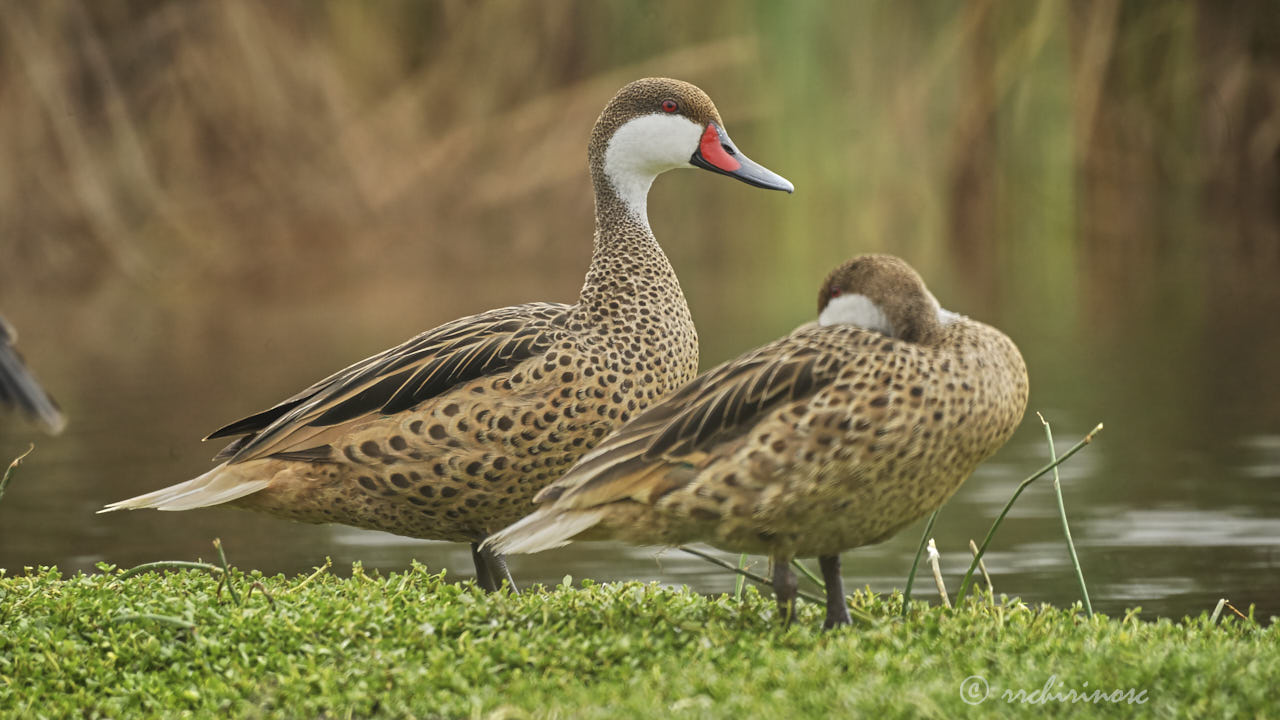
x,y
18,387
835,436
450,435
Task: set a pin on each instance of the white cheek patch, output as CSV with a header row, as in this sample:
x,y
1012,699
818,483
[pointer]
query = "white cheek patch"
x,y
855,309
644,148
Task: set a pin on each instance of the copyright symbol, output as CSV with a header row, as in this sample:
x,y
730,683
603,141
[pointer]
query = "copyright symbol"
x,y
973,689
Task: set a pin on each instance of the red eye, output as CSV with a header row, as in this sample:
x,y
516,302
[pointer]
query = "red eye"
x,y
836,292
670,106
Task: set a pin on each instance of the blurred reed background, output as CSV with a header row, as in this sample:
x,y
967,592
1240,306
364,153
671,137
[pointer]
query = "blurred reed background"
x,y
205,206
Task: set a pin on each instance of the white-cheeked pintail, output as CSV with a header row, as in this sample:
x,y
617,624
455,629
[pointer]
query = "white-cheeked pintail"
x,y
450,435
835,436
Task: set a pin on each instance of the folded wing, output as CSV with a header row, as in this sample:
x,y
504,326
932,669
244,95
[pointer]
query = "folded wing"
x,y
653,454
396,380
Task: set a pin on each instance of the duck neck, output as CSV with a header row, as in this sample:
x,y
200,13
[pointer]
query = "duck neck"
x,y
630,278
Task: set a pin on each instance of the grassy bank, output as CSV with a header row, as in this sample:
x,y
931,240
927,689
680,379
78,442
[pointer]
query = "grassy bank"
x,y
412,644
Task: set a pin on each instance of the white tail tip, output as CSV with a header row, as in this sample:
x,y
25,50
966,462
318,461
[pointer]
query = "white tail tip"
x,y
543,530
221,484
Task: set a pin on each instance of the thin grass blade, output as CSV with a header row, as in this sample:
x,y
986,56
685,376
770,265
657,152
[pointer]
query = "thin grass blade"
x,y
968,576
1066,528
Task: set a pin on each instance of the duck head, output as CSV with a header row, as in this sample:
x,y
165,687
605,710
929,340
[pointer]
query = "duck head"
x,y
881,293
659,124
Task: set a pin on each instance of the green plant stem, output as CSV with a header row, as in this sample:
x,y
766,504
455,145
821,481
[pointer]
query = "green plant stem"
x,y
973,548
747,573
13,467
915,564
1066,529
741,581
328,563
968,576
226,572
168,565
808,573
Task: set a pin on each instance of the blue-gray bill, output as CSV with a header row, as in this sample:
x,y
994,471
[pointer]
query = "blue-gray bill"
x,y
718,154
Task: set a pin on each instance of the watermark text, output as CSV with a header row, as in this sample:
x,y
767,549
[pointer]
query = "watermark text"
x,y
975,690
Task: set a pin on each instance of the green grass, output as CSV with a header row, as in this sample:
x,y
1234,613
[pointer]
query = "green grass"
x,y
412,644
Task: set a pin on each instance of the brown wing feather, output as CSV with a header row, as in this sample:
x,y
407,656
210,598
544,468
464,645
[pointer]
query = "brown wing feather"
x,y
396,380
661,449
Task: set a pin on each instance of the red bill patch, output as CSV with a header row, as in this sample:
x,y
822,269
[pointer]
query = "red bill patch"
x,y
713,153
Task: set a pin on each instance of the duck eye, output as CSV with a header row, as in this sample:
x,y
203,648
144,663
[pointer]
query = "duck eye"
x,y
670,106
835,293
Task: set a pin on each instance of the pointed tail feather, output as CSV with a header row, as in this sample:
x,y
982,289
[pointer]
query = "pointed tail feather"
x,y
221,484
543,530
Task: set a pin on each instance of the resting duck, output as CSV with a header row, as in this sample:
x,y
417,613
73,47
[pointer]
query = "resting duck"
x,y
836,436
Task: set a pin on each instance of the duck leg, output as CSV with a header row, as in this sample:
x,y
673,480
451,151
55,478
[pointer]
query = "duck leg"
x,y
498,571
484,575
784,589
837,608
491,569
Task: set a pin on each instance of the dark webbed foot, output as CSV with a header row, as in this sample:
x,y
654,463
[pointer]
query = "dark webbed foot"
x,y
837,608
784,589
